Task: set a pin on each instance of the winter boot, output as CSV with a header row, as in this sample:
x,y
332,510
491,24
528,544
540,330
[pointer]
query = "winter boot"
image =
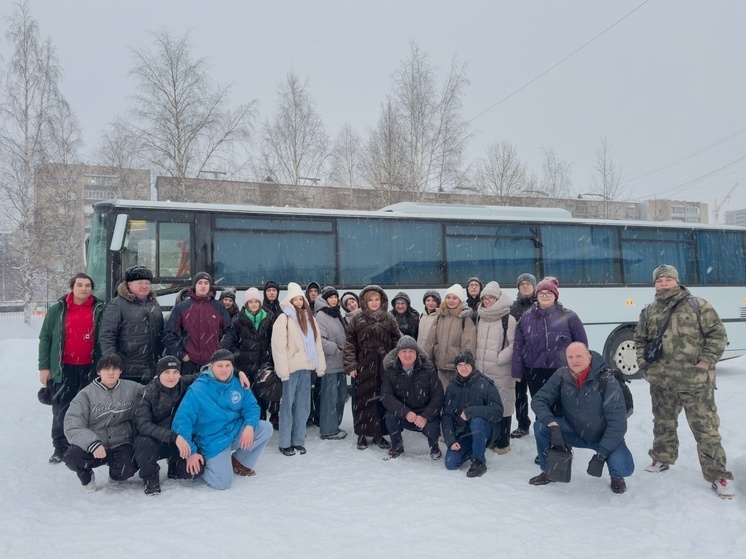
x,y
476,469
541,479
240,469
618,485
152,486
435,452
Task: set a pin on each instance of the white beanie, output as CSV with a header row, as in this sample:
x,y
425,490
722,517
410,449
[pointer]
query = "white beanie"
x,y
456,290
294,290
252,294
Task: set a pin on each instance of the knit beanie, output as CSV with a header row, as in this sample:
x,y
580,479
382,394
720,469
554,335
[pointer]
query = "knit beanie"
x,y
464,356
347,296
526,277
167,362
431,293
294,290
549,284
492,289
665,271
200,276
328,291
476,279
456,290
252,294
221,355
136,273
406,342
228,292
271,284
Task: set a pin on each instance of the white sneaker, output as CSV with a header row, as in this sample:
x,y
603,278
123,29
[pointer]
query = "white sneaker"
x,y
723,488
91,486
656,467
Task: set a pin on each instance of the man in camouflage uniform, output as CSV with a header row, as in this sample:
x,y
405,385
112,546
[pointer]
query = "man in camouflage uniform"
x,y
684,377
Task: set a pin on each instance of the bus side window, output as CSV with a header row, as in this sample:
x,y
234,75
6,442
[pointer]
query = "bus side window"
x,y
174,255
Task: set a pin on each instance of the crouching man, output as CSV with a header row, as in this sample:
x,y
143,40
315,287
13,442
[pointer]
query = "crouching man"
x,y
220,421
412,395
100,425
591,416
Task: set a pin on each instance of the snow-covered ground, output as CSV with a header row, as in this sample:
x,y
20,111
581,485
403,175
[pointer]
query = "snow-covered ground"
x,y
337,501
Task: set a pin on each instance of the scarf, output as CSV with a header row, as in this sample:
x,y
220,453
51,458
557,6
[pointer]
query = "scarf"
x,y
256,319
309,343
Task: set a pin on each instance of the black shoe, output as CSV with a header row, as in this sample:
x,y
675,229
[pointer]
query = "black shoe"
x,y
289,451
338,436
57,455
301,449
541,479
362,442
618,485
476,469
518,433
435,452
382,443
394,453
152,486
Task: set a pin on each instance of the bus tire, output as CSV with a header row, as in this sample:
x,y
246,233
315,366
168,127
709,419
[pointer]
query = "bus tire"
x,y
619,352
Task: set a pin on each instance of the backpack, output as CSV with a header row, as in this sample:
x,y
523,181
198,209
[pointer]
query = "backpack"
x,y
603,379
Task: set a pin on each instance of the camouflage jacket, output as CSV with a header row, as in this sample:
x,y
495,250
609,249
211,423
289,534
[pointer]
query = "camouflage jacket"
x,y
691,337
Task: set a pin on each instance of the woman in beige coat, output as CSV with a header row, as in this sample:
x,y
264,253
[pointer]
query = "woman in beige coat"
x,y
495,333
452,331
296,351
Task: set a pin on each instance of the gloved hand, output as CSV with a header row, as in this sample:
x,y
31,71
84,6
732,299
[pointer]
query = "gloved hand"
x,y
596,465
557,439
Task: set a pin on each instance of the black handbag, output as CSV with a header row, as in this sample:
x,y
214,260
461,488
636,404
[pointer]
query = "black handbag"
x,y
559,464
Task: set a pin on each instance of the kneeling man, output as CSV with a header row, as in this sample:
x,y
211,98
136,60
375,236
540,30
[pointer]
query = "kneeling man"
x,y
220,421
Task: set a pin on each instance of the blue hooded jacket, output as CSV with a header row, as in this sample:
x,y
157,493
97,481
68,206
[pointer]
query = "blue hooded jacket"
x,y
213,413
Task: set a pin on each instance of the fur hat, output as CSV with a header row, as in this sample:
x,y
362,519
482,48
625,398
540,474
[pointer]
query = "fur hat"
x,y
549,284
294,290
492,289
406,342
456,290
252,294
167,362
201,276
221,355
347,296
431,293
464,356
526,277
136,273
665,271
228,292
328,291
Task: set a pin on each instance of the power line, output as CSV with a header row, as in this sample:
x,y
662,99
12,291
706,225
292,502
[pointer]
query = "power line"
x,y
581,47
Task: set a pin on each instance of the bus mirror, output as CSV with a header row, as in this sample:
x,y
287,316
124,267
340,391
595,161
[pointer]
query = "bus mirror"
x,y
117,237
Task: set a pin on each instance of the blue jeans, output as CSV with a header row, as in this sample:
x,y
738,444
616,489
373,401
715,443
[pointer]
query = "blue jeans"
x,y
294,408
620,461
219,470
332,402
472,445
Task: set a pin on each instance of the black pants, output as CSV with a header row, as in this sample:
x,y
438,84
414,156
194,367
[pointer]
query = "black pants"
x,y
121,462
503,439
149,450
394,425
535,379
74,379
521,405
313,418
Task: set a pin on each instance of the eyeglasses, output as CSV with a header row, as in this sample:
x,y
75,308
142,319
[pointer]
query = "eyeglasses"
x,y
545,294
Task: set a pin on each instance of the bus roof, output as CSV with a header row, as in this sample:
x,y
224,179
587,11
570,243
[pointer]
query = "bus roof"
x,y
449,211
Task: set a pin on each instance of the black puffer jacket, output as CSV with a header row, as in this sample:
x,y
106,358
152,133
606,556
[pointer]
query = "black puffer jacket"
x,y
252,347
476,396
408,321
521,305
133,328
156,411
422,392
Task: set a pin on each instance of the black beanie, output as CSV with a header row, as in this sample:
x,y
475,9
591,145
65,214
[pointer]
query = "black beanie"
x,y
328,291
200,276
464,356
167,362
221,355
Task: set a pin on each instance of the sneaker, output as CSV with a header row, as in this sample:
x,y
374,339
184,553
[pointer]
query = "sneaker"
x,y
240,469
338,436
152,486
723,489
289,451
618,485
301,449
362,442
90,487
394,453
501,451
476,469
656,467
518,433
435,452
381,442
541,479
57,455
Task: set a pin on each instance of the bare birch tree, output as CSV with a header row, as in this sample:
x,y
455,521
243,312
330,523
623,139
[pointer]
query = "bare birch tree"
x,y
346,159
182,119
295,146
606,182
119,150
501,172
384,164
556,181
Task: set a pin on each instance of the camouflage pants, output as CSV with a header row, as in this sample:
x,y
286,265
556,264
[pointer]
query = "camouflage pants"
x,y
702,416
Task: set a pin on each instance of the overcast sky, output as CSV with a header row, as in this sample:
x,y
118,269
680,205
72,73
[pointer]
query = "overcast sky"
x,y
665,85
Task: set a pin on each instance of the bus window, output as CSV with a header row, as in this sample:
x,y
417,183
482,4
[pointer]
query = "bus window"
x,y
721,258
581,254
653,247
173,250
139,244
97,254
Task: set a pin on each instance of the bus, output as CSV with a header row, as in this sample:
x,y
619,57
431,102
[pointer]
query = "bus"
x,y
604,267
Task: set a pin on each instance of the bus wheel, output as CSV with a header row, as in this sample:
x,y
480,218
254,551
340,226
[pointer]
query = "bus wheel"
x,y
620,353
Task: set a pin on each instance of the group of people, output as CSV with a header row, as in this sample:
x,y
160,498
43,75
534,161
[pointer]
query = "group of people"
x,y
457,373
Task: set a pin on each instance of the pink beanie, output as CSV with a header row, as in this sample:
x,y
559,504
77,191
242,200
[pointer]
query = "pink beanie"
x,y
252,294
549,284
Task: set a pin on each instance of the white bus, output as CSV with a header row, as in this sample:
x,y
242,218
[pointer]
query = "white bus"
x,y
604,267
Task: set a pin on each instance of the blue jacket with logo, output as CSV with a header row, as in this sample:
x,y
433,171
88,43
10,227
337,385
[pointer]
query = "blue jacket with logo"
x,y
213,413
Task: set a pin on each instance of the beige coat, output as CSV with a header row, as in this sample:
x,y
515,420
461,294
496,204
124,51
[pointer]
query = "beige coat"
x,y
426,322
288,352
453,331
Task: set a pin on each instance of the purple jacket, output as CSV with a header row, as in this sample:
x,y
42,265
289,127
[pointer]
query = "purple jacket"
x,y
542,336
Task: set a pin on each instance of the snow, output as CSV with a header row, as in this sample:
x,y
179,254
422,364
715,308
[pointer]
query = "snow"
x,y
337,501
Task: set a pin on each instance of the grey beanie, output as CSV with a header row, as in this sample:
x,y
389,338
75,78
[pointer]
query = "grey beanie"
x,y
526,277
406,342
432,293
221,355
665,271
492,289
